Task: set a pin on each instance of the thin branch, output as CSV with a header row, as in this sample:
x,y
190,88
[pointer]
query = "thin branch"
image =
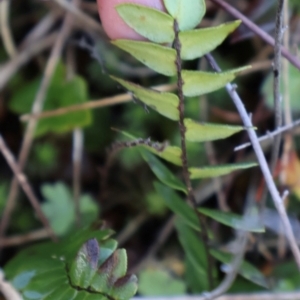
x,y
262,163
36,108
131,228
123,98
270,135
6,34
253,27
10,68
234,266
22,180
41,29
182,129
249,296
285,68
8,291
22,239
239,251
78,138
82,17
160,240
276,87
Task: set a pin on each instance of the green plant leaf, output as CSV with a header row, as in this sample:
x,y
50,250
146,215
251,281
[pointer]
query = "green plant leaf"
x,y
188,13
248,223
164,103
216,171
196,259
61,93
158,58
196,43
198,83
162,172
246,269
159,282
204,132
169,153
177,205
153,24
61,271
59,208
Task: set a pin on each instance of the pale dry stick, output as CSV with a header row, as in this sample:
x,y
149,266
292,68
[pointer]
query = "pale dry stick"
x,y
41,29
10,68
134,225
78,138
7,290
110,101
287,138
250,296
209,147
285,69
262,163
6,34
211,155
160,240
270,135
241,241
233,269
253,27
22,239
276,88
36,108
81,16
22,180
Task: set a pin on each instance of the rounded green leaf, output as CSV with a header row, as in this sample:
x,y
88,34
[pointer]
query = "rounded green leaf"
x,y
151,23
204,132
216,171
164,103
198,83
188,13
162,172
158,58
196,43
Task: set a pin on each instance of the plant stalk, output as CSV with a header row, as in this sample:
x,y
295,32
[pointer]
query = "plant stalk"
x,y
190,196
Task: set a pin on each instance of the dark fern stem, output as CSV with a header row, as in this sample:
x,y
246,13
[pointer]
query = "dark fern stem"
x,y
191,197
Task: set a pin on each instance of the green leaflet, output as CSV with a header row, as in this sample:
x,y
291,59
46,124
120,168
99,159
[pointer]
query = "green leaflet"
x,y
246,269
164,103
216,171
204,132
248,223
196,43
60,210
162,172
58,271
198,83
196,260
188,13
178,205
169,153
151,23
158,58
